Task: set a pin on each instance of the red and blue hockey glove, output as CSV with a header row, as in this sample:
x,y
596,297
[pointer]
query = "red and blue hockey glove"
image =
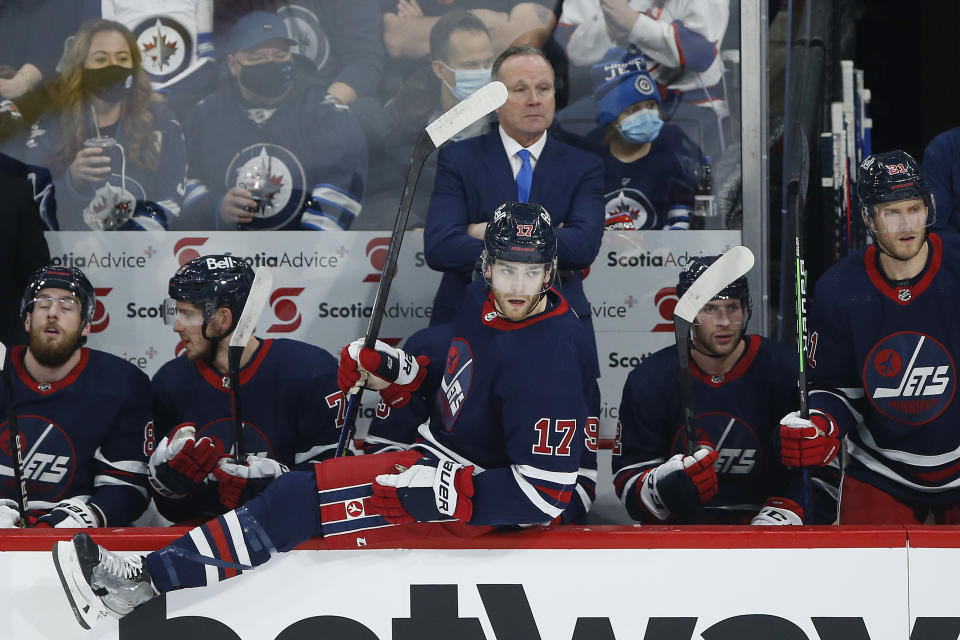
x,y
428,490
241,482
395,374
620,221
808,443
680,485
778,512
180,462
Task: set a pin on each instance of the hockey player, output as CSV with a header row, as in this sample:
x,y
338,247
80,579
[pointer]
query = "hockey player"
x,y
292,409
501,449
741,384
882,349
84,415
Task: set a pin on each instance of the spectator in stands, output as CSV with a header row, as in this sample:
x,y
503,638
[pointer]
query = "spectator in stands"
x,y
33,38
176,46
342,40
83,413
117,158
462,56
22,246
941,166
268,151
648,179
517,161
680,38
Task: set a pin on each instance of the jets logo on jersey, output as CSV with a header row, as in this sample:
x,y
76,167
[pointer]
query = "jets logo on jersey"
x,y
455,385
909,377
634,203
735,442
254,440
48,458
304,27
165,46
275,177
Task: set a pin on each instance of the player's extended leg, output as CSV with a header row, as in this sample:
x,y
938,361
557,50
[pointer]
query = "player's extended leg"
x,y
861,503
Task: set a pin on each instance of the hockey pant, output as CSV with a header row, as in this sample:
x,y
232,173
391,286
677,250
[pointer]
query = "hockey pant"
x,y
328,502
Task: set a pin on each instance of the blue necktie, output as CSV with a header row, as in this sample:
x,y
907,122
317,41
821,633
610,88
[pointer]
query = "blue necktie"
x,y
524,176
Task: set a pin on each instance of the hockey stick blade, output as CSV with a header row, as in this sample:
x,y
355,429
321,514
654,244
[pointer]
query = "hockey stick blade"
x,y
462,115
728,267
256,301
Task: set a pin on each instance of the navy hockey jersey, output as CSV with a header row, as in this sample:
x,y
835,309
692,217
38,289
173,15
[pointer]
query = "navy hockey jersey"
x,y
738,412
313,153
883,365
394,429
87,436
513,402
292,410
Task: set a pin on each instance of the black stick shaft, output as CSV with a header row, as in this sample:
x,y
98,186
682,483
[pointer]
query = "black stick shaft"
x,y
682,332
16,450
421,150
233,358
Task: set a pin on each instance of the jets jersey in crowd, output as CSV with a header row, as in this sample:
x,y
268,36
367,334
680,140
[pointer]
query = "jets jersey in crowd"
x,y
134,197
88,435
395,429
738,413
654,192
310,153
883,366
292,410
513,403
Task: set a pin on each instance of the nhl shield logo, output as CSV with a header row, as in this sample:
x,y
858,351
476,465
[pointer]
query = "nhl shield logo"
x,y
165,47
904,294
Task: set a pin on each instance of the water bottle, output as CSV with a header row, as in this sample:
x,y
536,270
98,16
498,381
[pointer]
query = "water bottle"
x,y
705,213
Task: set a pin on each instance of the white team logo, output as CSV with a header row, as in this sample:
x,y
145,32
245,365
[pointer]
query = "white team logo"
x,y
165,47
643,85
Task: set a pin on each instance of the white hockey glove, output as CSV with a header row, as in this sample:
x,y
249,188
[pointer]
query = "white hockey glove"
x,y
240,482
779,512
805,443
180,462
72,513
428,490
395,374
9,514
680,485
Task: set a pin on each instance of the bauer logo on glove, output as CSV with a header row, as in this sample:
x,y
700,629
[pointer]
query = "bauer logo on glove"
x,y
395,374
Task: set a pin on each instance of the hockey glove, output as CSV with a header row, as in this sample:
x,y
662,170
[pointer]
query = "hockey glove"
x,y
777,512
72,513
9,514
620,221
680,485
395,374
428,490
806,443
180,462
241,482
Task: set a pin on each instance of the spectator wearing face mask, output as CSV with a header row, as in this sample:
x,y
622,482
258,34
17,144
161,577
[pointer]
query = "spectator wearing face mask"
x,y
648,166
269,150
117,159
462,56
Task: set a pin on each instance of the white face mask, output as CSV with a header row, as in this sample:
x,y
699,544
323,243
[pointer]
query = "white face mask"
x,y
467,80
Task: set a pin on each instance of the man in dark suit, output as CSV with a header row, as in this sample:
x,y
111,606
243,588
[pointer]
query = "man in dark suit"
x,y
22,246
518,161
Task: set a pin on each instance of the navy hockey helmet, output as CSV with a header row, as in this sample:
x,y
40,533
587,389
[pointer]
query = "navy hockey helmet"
x,y
521,232
211,282
739,289
68,278
893,176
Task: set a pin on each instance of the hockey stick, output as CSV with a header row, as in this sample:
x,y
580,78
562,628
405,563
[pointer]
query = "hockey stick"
x,y
16,449
462,115
728,267
256,300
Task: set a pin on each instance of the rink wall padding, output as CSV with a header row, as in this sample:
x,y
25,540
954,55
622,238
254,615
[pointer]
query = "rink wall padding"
x,y
579,583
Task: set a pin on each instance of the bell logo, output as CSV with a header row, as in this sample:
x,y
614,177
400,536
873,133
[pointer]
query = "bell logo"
x,y
185,250
377,253
666,302
285,310
100,318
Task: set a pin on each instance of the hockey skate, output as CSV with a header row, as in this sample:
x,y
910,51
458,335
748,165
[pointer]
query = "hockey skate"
x,y
98,582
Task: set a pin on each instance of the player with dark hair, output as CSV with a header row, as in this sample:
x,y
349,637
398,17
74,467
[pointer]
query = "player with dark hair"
x,y
741,384
502,447
882,350
292,407
84,414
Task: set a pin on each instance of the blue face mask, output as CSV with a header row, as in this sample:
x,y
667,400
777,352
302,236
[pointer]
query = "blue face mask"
x,y
467,81
641,127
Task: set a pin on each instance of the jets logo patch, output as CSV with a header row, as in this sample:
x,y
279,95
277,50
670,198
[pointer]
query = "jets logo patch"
x,y
736,443
166,47
909,377
275,176
633,202
455,385
49,464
